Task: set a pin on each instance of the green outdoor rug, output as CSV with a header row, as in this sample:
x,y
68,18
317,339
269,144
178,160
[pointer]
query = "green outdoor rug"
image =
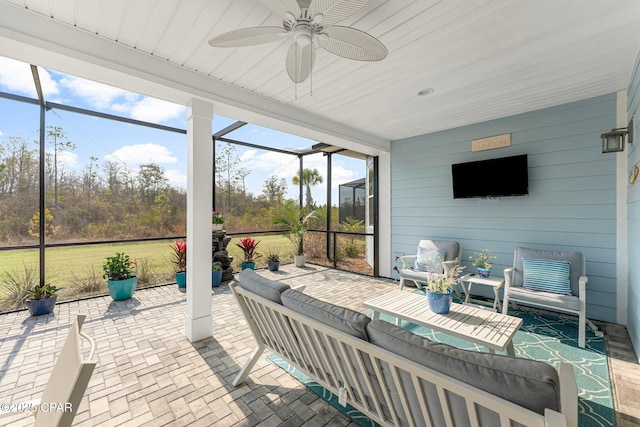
x,y
542,337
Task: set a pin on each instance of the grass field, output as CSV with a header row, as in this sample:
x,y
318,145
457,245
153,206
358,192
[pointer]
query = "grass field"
x,y
71,267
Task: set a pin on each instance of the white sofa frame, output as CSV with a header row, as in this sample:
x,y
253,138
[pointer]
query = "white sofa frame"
x,y
316,349
66,385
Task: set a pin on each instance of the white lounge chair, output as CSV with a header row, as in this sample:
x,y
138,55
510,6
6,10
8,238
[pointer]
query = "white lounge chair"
x,y
546,297
450,250
66,385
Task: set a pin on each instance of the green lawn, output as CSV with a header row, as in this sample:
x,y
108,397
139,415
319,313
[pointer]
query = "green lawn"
x,y
69,267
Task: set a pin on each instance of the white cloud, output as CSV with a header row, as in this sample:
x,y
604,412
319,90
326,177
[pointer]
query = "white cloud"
x,y
176,177
139,107
1,133
15,76
68,160
156,110
98,95
270,161
138,154
149,109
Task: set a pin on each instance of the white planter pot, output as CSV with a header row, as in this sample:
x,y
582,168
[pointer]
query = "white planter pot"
x,y
299,260
216,227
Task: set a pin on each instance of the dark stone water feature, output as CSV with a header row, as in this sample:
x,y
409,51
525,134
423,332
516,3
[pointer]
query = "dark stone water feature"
x,y
220,255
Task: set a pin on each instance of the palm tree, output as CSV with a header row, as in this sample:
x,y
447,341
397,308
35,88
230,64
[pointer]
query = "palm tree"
x,y
310,178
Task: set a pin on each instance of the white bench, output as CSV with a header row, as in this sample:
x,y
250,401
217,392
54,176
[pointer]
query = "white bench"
x,y
390,389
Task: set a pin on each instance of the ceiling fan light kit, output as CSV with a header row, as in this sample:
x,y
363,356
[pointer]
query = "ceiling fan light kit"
x,y
310,24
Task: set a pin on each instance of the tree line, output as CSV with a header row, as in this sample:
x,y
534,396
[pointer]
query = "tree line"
x,y
106,200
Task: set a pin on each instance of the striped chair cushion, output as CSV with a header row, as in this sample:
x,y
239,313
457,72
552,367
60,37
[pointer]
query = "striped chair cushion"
x,y
546,275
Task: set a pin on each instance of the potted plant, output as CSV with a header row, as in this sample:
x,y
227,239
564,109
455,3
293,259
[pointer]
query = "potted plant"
x,y
296,220
119,270
248,246
43,299
273,260
179,260
216,274
482,261
217,221
440,285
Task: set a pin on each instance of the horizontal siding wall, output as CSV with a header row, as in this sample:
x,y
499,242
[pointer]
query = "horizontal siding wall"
x,y
633,215
571,203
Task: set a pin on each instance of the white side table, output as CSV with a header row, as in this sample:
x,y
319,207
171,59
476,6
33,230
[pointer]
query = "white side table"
x,y
494,282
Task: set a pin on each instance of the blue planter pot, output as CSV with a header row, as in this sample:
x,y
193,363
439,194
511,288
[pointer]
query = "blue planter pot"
x,y
216,278
181,280
38,307
121,290
439,303
274,265
248,266
484,272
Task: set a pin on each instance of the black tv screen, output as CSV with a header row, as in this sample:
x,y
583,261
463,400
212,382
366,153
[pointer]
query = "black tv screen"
x,y
505,176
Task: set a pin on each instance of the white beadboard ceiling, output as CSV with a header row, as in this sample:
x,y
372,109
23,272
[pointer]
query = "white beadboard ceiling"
x,y
484,59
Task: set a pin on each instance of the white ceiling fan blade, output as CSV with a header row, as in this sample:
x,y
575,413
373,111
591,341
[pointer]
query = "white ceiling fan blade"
x,y
352,44
334,11
248,37
281,7
300,61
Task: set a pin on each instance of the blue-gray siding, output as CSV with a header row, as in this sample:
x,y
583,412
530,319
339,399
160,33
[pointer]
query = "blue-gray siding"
x,y
633,216
571,203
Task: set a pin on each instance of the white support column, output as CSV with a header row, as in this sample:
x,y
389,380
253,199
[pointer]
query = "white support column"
x,y
198,321
622,265
384,214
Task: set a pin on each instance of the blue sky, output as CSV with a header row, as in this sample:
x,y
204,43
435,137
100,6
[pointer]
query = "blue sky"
x,y
134,145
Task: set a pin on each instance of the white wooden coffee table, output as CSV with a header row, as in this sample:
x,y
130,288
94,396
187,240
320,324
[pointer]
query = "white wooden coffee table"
x,y
494,331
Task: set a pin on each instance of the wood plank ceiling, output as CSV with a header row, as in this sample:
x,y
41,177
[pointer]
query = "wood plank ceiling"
x,y
484,59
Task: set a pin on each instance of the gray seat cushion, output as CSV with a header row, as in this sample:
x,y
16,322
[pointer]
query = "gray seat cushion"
x,y
266,288
346,320
545,299
574,259
528,383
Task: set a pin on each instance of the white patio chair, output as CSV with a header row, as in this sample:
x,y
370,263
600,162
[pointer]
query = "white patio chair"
x,y
544,277
448,250
66,385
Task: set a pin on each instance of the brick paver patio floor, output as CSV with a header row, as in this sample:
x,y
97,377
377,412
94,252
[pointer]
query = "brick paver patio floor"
x,y
148,373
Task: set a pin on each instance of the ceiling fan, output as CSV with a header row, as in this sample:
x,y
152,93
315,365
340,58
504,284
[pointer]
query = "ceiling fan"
x,y
310,23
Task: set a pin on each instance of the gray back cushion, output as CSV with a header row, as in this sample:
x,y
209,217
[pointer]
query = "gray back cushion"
x,y
349,321
574,259
529,383
266,288
451,250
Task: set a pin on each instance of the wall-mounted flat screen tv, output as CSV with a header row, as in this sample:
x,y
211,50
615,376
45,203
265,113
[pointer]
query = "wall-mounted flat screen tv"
x,y
505,176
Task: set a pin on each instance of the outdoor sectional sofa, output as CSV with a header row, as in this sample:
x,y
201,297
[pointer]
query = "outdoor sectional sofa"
x,y
395,377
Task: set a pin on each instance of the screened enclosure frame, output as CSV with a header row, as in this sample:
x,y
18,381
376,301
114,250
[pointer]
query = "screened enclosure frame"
x,y
45,106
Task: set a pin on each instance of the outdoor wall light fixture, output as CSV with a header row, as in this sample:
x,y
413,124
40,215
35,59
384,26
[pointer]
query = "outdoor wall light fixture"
x,y
614,141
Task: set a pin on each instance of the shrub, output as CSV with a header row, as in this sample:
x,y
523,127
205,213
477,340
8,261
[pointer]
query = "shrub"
x,y
89,283
352,250
145,273
118,267
17,285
